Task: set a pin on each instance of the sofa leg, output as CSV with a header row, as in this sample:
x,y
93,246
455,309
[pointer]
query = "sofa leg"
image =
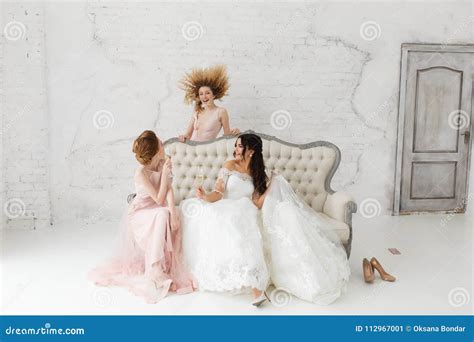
x,y
347,247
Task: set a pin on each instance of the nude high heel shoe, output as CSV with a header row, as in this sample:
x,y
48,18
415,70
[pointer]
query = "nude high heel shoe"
x,y
368,271
260,299
383,274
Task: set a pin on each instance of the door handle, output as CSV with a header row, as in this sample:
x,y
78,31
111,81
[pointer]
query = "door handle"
x,y
467,135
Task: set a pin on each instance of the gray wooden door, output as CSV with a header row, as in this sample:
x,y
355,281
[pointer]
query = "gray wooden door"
x,y
435,147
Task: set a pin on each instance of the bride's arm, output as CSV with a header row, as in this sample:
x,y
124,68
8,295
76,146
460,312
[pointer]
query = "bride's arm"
x,y
259,200
213,196
219,187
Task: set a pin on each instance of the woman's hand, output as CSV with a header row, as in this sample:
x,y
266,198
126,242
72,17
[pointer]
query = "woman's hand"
x,y
200,193
167,168
234,131
175,221
182,138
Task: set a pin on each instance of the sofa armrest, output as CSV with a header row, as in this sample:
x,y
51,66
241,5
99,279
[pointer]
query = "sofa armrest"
x,y
338,205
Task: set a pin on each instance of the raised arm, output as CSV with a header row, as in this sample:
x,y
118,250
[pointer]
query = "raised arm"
x,y
157,194
219,186
189,130
215,195
224,118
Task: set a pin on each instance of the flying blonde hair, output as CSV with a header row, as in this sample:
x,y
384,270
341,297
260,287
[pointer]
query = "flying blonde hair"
x,y
214,77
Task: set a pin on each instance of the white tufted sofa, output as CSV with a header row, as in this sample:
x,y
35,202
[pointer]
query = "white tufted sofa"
x,y
309,169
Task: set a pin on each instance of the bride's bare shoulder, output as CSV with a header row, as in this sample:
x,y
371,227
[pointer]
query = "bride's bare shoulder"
x,y
229,165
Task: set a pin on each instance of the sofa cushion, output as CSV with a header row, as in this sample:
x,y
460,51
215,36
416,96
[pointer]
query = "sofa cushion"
x,y
308,168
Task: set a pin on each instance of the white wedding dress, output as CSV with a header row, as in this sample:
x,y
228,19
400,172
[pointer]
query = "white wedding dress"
x,y
222,242
229,243
305,256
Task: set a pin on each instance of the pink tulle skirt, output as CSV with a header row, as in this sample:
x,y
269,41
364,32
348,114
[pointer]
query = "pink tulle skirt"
x,y
148,260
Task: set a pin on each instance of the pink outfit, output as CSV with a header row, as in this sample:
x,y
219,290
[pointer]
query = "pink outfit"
x,y
206,128
149,259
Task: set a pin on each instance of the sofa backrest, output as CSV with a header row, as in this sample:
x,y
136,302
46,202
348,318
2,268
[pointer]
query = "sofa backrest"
x,y
308,168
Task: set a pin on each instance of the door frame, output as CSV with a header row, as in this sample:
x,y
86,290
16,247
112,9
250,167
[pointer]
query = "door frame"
x,y
440,48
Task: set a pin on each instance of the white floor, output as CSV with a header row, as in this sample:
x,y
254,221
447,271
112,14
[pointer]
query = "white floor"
x,y
44,272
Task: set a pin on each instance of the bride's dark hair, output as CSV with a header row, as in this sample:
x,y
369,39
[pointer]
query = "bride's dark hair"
x,y
257,166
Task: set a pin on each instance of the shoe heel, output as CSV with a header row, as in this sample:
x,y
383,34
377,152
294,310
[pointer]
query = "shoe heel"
x,y
368,271
383,274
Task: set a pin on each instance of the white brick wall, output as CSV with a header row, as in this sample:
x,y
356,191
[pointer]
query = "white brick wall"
x,y
2,115
25,131
308,59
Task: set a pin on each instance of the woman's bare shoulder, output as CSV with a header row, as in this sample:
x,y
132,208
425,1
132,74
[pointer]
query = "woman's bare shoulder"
x,y
221,111
140,172
229,165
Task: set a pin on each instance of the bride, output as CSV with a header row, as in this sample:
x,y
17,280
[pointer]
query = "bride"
x,y
230,247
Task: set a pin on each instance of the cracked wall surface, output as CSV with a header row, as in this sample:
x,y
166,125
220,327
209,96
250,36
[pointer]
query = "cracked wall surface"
x,y
121,61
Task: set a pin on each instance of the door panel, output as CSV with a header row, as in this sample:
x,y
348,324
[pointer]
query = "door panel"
x,y
439,90
437,107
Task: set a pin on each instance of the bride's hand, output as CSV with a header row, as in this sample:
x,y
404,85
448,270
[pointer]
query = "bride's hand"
x,y
182,138
200,193
235,131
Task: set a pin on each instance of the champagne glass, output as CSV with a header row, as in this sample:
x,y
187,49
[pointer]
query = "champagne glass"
x,y
199,180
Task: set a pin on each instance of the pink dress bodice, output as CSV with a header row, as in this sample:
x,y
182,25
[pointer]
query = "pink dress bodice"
x,y
140,190
143,198
206,127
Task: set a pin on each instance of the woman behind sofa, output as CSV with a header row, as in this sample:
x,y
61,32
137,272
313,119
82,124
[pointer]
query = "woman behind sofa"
x,y
202,87
148,261
224,248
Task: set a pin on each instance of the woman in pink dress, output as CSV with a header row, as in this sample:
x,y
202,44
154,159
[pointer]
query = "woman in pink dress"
x,y
203,87
149,257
